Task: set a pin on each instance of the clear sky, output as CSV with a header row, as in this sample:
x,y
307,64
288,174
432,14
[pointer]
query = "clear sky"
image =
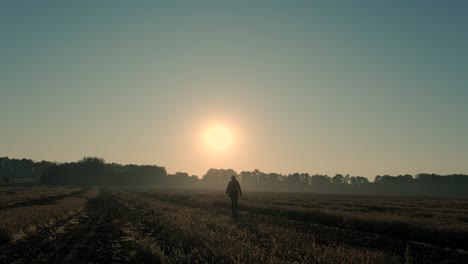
x,y
358,87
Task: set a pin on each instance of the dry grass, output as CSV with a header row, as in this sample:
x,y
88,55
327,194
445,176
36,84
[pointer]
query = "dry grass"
x,y
196,227
18,195
440,221
194,235
18,222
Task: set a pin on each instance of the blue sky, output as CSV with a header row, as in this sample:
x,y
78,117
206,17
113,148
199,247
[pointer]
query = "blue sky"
x,y
358,87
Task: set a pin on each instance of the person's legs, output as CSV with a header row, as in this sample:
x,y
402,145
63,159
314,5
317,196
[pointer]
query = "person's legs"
x,y
235,205
233,201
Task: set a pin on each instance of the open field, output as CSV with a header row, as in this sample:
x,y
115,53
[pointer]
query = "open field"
x,y
10,198
76,225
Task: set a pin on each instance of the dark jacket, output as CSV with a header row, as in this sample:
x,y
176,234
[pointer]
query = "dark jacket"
x,y
233,189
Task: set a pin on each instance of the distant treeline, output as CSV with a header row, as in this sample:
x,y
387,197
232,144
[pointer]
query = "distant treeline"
x,y
21,169
95,171
423,183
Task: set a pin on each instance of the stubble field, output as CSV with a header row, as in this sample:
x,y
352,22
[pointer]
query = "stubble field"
x,y
118,225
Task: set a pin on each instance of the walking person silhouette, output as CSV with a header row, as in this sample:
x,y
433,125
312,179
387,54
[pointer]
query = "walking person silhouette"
x,y
234,191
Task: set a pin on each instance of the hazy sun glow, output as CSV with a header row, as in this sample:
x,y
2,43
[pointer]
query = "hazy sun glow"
x,y
218,138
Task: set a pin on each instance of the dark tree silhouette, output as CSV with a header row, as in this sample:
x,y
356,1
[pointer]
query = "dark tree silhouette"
x,y
95,171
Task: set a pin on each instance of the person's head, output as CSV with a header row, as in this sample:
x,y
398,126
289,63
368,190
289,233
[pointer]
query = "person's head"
x,y
233,177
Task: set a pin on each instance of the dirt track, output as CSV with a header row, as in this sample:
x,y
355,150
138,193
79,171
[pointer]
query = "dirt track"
x,y
93,236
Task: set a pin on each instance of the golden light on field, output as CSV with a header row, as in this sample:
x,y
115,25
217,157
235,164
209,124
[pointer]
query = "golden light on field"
x,y
218,138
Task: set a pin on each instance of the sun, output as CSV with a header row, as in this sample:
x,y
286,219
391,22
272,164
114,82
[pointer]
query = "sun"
x,y
218,138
